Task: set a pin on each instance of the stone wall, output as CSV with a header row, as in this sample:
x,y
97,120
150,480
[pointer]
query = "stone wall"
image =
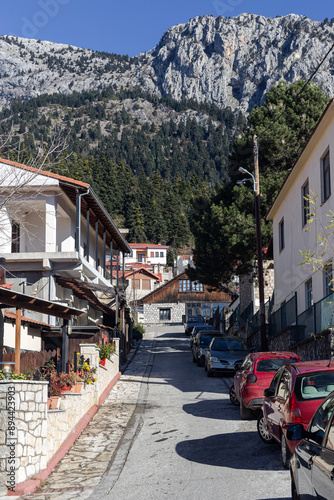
x,y
23,431
38,432
315,347
152,313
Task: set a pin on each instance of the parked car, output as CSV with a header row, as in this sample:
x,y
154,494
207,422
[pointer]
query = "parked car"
x,y
312,465
198,328
254,376
201,343
295,393
224,355
191,322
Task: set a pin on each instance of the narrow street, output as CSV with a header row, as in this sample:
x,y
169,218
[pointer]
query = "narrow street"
x,y
188,440
168,431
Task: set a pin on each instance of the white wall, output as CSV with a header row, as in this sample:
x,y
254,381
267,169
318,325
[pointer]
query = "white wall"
x,y
290,276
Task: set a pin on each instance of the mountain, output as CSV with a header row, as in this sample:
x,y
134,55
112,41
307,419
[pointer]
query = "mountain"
x,y
228,62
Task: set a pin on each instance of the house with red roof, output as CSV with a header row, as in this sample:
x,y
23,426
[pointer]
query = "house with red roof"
x,y
55,235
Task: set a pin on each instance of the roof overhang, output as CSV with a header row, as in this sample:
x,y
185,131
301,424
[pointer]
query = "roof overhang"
x,y
326,118
22,301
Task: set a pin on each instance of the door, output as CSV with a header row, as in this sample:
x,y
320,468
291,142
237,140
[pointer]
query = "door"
x,y
278,404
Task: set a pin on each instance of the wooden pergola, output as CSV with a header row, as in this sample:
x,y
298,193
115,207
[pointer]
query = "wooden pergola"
x,y
9,298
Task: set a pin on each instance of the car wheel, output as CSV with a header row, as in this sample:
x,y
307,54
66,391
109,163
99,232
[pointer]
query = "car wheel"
x,y
199,362
263,431
245,413
233,397
285,452
194,359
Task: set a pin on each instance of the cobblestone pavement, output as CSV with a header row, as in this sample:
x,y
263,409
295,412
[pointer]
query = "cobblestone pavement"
x,y
92,454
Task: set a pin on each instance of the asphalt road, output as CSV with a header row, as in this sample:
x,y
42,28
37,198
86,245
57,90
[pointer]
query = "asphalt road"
x,y
187,441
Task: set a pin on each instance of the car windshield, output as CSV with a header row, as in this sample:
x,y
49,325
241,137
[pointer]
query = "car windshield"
x,y
227,345
272,364
196,319
314,385
206,339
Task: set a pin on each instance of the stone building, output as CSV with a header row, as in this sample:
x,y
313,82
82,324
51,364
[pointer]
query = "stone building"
x,y
180,298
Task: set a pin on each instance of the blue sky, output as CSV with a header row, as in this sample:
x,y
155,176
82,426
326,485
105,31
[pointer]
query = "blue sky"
x,y
131,26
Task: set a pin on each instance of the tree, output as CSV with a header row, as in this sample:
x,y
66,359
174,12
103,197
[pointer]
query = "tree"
x,y
224,230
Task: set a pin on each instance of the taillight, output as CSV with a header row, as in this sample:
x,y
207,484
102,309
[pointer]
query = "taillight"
x,y
295,413
251,378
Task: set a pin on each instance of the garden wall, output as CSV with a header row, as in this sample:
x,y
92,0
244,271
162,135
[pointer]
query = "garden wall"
x,y
30,435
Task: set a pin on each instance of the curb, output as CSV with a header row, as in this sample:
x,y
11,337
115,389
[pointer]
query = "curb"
x,y
31,484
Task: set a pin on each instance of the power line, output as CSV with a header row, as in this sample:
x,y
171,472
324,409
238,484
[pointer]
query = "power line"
x,y
301,90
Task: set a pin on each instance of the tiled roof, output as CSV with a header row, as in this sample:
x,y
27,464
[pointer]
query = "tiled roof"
x,y
147,245
8,286
44,172
12,315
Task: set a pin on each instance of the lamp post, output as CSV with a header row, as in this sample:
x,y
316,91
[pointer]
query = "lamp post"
x,y
7,368
256,189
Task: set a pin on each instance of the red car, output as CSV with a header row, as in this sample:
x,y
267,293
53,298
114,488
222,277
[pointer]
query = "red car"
x,y
255,375
294,395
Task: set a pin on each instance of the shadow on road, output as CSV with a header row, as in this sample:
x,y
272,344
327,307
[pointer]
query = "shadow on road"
x,y
213,408
237,450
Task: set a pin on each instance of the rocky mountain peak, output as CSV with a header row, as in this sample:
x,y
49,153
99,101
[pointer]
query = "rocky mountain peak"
x,y
231,62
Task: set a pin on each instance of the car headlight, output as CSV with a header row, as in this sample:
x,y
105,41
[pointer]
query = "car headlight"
x,y
202,352
215,360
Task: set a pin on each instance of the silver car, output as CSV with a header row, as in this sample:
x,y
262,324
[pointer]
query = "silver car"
x,y
224,355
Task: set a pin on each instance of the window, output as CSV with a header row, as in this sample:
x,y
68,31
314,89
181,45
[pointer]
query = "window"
x,y
283,386
326,177
161,254
308,294
164,314
15,237
152,254
157,254
281,235
328,278
188,286
141,257
305,203
146,284
319,423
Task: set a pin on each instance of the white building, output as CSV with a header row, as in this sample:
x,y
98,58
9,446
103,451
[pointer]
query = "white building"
x,y
54,237
147,253
291,233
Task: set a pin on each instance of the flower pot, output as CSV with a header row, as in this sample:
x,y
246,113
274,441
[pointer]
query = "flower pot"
x,y
54,402
103,362
49,403
77,387
66,388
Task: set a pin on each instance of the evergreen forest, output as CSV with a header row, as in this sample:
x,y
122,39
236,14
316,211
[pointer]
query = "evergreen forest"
x,y
150,160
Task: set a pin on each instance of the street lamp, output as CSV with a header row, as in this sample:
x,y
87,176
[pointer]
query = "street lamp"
x,y
256,189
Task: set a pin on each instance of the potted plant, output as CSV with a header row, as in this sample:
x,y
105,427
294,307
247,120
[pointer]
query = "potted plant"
x,y
106,350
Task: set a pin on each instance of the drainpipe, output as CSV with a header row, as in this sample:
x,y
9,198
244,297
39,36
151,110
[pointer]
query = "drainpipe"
x,y
78,221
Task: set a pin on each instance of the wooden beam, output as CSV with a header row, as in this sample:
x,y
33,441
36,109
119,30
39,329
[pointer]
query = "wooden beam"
x,y
17,367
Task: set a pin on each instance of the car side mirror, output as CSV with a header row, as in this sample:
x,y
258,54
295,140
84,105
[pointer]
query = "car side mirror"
x,y
295,432
268,393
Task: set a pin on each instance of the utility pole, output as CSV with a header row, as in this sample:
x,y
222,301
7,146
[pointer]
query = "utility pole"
x,y
259,244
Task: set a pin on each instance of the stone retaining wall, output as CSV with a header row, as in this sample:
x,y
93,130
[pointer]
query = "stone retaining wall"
x,y
29,433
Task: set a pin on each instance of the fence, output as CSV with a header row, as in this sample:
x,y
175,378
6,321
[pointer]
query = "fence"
x,y
31,360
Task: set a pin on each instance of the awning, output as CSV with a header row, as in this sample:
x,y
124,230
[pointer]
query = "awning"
x,y
22,301
85,291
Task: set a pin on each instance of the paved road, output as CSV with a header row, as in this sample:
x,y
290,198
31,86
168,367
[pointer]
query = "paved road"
x,y
167,431
189,441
